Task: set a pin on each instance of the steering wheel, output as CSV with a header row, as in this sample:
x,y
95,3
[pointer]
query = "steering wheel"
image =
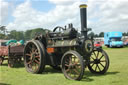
x,y
58,27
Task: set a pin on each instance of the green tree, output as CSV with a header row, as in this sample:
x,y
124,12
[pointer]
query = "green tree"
x,y
3,32
12,34
91,34
101,34
37,31
125,34
27,34
96,35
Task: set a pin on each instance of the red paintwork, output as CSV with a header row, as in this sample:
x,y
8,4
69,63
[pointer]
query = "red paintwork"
x,y
17,50
97,44
3,50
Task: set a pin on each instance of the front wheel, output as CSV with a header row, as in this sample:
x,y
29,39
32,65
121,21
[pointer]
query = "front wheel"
x,y
72,65
99,61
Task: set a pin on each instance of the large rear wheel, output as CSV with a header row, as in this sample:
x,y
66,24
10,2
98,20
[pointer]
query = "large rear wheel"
x,y
72,65
99,61
34,57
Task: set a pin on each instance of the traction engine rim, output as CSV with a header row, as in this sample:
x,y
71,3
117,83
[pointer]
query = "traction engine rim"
x,y
37,57
71,66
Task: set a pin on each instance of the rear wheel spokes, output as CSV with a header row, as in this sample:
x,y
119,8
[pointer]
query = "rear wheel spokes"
x,y
33,58
28,54
36,61
29,62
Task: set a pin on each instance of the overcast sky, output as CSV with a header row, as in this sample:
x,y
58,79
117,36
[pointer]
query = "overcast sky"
x,y
103,15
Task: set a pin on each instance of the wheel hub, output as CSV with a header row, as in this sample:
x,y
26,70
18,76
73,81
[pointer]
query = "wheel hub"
x,y
71,66
97,61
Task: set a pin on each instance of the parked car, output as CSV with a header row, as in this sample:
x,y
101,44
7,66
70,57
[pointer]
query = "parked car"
x,y
126,43
97,44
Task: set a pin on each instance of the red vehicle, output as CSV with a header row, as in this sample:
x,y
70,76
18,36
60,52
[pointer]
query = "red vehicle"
x,y
11,53
126,43
97,44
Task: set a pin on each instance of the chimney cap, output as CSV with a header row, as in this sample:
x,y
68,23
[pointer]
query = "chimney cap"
x,y
83,6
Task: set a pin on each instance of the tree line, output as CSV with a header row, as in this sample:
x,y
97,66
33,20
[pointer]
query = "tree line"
x,y
20,35
29,34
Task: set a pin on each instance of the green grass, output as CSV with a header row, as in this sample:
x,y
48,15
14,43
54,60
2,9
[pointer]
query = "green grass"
x,y
117,73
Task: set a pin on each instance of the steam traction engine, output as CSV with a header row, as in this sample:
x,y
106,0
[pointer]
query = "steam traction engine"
x,y
68,49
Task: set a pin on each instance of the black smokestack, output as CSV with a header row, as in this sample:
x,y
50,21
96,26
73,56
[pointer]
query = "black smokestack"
x,y
83,15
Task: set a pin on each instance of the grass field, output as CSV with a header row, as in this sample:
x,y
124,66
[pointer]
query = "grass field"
x,y
117,73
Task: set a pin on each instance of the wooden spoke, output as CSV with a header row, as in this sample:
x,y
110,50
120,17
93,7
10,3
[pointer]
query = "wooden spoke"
x,y
97,55
76,63
29,47
70,71
91,62
102,65
74,58
36,66
37,61
94,54
98,67
32,50
76,71
37,56
67,70
30,62
102,60
92,58
92,65
28,54
36,50
70,59
78,66
101,57
67,65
